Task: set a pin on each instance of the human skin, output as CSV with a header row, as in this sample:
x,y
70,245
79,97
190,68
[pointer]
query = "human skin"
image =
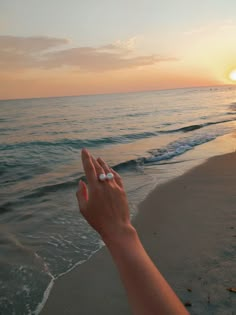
x,y
104,205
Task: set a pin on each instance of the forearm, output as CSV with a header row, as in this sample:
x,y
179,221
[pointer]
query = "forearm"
x,y
148,292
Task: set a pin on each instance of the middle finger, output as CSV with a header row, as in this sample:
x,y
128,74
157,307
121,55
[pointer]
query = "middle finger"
x,y
98,167
104,165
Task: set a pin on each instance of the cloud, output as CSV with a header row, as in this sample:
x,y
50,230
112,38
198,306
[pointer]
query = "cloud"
x,y
30,44
25,52
129,44
21,53
96,59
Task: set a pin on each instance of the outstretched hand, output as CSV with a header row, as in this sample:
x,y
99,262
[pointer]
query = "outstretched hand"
x,y
103,203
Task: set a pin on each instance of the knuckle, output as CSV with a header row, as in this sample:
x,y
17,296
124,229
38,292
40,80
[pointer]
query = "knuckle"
x,y
118,189
117,176
101,162
120,182
100,169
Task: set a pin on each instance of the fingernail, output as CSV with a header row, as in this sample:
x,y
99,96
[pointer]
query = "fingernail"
x,y
84,150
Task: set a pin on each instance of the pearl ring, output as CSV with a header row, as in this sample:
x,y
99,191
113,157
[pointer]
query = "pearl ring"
x,y
102,177
110,176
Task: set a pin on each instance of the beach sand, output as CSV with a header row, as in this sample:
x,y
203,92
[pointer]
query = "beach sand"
x,y
188,227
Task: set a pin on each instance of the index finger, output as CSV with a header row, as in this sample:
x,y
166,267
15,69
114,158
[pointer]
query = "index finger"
x,y
89,168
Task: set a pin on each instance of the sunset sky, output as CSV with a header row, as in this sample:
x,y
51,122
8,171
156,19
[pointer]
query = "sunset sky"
x,y
74,47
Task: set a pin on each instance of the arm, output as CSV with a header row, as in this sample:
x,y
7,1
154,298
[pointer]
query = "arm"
x,y
104,205
148,292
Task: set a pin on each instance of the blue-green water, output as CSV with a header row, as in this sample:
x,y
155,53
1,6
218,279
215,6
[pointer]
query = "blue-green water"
x,y
42,234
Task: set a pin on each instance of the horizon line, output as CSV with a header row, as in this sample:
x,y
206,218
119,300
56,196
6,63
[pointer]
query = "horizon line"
x,y
114,93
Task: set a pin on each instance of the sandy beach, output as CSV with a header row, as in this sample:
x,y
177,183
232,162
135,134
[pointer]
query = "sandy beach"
x,y
188,227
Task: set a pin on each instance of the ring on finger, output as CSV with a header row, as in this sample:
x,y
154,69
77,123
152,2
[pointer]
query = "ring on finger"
x,y
102,177
109,176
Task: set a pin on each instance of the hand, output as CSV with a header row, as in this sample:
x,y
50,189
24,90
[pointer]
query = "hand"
x,y
103,204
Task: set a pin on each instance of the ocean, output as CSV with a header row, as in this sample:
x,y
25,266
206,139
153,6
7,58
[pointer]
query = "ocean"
x,y
148,137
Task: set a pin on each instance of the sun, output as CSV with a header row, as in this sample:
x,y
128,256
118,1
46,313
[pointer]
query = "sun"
x,y
232,75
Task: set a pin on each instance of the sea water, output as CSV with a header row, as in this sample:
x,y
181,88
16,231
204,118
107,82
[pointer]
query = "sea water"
x,y
148,137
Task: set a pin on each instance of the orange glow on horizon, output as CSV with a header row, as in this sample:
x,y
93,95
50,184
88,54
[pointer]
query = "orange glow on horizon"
x,y
62,83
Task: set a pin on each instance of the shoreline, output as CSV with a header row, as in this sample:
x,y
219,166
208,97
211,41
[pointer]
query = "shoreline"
x,y
184,267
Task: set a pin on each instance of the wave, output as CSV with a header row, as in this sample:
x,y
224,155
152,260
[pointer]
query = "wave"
x,y
171,151
50,188
80,143
77,143
6,207
159,155
178,147
4,119
39,192
198,126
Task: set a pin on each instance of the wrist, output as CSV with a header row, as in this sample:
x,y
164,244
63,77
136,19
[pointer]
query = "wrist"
x,y
126,235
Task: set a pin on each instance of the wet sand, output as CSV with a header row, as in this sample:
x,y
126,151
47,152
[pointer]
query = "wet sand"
x,y
188,227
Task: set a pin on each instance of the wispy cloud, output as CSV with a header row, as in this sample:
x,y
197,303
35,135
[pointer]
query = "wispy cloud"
x,y
96,59
20,53
129,44
30,44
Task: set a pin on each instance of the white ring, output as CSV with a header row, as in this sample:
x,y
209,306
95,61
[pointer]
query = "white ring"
x,y
102,177
109,176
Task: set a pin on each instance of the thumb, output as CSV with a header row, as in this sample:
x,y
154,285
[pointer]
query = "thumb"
x,y
82,196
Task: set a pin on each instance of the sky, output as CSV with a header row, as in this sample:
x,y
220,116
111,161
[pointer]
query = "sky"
x,y
74,47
